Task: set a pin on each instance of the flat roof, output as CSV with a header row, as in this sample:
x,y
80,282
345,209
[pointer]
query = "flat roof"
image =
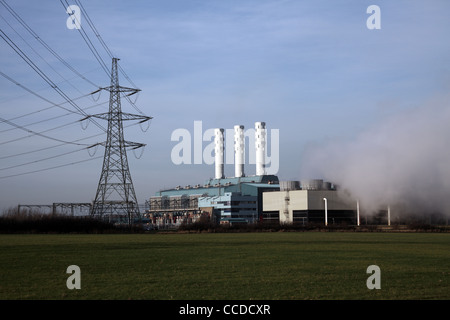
x,y
215,187
248,179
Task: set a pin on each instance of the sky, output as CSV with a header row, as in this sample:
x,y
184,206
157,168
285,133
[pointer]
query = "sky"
x,y
312,70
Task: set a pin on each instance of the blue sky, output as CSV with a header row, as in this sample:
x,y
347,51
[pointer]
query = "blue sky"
x,y
311,69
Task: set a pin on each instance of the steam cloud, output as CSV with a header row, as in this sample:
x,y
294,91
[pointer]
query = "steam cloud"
x,y
402,162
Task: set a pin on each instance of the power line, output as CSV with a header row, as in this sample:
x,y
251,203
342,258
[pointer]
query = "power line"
x,y
100,39
49,81
40,134
43,75
34,151
39,96
94,29
105,46
47,119
44,159
40,56
43,43
89,43
58,145
50,168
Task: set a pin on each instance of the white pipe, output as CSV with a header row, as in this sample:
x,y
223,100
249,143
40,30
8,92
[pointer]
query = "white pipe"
x,y
326,211
239,151
357,212
260,146
389,215
219,153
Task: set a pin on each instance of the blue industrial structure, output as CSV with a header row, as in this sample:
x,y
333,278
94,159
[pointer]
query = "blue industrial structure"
x,y
227,200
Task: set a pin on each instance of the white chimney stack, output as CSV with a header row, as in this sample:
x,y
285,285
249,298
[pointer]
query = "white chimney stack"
x,y
239,151
260,146
219,152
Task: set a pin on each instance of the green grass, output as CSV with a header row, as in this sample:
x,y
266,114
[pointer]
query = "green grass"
x,y
278,265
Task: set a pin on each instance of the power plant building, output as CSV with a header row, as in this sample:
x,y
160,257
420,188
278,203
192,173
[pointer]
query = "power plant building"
x,y
250,199
225,200
311,201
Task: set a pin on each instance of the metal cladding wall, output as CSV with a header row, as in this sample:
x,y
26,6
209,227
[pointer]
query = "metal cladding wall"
x,y
308,201
316,184
232,205
335,200
289,185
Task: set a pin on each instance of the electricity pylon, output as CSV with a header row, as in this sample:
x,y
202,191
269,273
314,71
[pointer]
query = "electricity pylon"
x,y
115,195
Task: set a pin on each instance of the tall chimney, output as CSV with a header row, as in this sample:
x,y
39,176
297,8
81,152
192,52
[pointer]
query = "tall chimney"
x,y
239,151
219,153
260,146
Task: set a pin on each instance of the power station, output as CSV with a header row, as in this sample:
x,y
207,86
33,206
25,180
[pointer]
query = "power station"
x,y
242,198
231,200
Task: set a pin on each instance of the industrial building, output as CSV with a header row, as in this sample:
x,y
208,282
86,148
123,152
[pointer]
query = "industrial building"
x,y
224,200
250,199
311,201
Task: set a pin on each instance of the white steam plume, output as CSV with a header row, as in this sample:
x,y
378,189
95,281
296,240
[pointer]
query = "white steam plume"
x,y
403,161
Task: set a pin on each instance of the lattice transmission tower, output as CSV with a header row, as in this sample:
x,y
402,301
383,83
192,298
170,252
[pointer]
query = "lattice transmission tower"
x,y
115,197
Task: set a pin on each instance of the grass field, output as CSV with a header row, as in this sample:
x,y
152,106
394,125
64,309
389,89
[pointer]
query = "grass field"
x,y
277,265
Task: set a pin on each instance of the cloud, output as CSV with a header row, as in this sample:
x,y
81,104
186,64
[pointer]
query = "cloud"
x,y
402,160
